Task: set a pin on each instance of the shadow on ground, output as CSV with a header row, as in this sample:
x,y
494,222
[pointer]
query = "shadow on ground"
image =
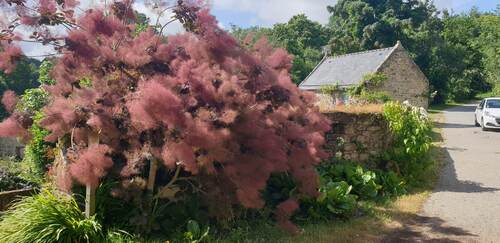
x,y
418,228
449,181
463,108
454,125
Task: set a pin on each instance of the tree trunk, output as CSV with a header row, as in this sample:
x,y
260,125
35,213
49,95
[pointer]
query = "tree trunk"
x,y
90,190
153,168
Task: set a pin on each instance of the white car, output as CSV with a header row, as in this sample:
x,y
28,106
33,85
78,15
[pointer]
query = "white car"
x,y
488,114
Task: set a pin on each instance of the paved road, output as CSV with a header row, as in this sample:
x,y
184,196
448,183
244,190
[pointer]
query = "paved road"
x,y
467,198
465,206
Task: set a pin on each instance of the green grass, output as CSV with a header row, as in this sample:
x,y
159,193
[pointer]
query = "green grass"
x,y
487,95
438,108
48,217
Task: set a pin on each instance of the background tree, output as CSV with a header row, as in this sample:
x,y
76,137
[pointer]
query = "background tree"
x,y
465,70
23,77
304,39
301,37
358,25
489,44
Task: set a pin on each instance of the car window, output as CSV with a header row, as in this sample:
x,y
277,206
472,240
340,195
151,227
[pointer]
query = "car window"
x,y
481,105
495,104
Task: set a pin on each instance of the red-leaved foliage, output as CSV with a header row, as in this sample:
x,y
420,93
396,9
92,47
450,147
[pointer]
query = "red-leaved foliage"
x,y
197,100
8,56
91,164
9,100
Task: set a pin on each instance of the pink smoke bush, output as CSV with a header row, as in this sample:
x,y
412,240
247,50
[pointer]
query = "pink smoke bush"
x,y
91,164
197,100
9,100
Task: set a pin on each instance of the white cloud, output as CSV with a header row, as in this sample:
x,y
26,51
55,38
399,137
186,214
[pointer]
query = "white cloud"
x,y
172,28
259,12
268,12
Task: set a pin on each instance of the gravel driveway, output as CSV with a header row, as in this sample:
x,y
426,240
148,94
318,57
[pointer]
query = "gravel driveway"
x,y
465,206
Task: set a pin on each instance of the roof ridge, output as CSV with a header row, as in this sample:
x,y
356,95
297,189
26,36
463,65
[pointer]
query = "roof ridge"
x,y
361,52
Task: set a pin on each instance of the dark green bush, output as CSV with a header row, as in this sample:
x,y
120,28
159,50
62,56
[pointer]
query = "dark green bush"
x,y
9,181
392,184
335,200
37,151
280,187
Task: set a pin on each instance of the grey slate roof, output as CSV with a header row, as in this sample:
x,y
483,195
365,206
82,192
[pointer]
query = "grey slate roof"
x,y
346,70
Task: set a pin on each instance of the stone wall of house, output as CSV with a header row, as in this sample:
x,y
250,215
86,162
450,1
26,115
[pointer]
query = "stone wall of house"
x,y
10,147
405,80
327,101
357,137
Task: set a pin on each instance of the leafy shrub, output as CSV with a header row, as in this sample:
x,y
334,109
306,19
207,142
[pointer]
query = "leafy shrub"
x,y
411,129
9,181
330,88
364,182
38,152
194,233
374,97
371,185
280,187
48,217
335,200
119,236
21,169
392,184
363,92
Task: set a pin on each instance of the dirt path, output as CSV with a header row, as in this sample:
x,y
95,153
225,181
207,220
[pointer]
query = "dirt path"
x,y
465,206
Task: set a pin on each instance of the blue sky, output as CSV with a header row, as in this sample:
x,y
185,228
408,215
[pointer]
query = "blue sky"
x,y
247,13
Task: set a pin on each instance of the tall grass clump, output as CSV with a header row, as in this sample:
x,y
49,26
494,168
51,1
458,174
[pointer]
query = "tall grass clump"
x,y
48,217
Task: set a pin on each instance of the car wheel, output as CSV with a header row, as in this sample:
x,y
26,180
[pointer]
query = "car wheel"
x,y
482,125
475,122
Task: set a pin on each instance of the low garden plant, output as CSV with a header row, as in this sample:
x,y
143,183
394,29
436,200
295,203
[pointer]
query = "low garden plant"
x,y
10,181
48,217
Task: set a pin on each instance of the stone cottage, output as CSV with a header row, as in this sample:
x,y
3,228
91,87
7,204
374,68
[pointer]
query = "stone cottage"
x,y
403,78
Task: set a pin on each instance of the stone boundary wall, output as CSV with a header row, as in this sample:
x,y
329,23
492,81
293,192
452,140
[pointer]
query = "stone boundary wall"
x,y
7,197
357,137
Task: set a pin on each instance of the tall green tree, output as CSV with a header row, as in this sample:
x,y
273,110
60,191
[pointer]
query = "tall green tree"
x,y
450,63
300,36
24,76
467,76
359,25
304,39
489,44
